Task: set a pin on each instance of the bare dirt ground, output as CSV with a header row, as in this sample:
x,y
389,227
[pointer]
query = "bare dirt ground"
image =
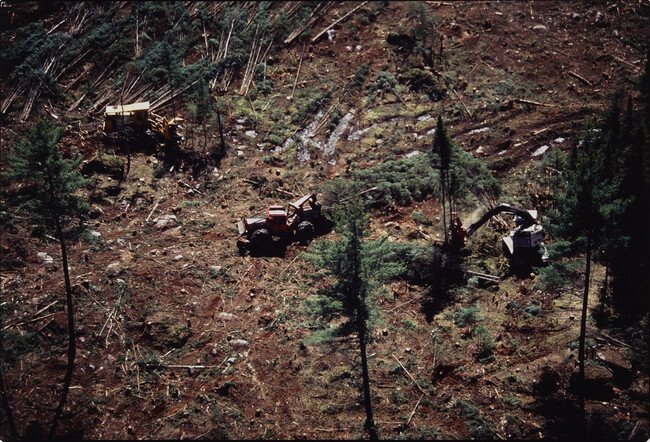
x,y
181,336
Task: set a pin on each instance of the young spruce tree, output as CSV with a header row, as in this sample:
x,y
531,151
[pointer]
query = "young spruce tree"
x,y
354,264
49,198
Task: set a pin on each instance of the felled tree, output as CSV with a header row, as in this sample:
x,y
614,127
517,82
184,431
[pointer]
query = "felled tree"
x,y
49,198
354,264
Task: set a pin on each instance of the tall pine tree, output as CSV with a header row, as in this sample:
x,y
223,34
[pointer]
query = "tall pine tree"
x,y
49,197
442,148
354,264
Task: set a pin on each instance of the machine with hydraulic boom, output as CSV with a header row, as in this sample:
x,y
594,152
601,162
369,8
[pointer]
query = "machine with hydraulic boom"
x,y
524,245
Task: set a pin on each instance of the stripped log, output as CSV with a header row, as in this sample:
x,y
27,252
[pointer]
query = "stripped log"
x,y
316,13
321,33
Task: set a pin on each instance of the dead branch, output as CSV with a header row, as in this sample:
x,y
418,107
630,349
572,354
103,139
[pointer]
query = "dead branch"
x,y
286,192
320,34
624,62
189,186
414,410
249,71
461,102
28,321
454,91
534,103
296,81
75,80
150,213
400,98
537,132
317,12
167,99
409,374
15,93
581,78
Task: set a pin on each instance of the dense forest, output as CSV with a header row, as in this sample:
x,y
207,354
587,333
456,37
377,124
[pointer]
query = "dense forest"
x,y
324,220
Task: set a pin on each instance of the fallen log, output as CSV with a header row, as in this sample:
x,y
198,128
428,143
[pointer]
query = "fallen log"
x,y
534,103
321,33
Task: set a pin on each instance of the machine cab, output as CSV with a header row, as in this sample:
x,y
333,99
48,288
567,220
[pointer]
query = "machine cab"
x,y
277,219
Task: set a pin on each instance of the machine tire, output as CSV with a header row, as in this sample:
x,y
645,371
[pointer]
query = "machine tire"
x,y
260,238
305,231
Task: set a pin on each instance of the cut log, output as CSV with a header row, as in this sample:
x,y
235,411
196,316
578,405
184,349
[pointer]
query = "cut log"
x,y
321,33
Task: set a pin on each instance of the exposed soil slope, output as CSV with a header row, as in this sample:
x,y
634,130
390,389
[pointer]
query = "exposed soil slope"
x,y
181,336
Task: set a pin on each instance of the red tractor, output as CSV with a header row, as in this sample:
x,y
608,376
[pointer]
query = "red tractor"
x,y
296,222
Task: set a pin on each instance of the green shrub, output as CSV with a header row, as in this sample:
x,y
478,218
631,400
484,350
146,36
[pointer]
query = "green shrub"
x,y
419,217
480,427
466,315
409,324
359,78
486,345
190,204
398,397
313,106
532,310
510,400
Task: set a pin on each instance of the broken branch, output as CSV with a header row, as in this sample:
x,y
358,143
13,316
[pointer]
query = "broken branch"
x,y
151,213
583,79
534,103
409,374
321,33
296,81
414,410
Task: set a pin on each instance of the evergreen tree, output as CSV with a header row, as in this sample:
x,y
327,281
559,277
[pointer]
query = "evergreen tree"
x,y
200,110
580,220
627,217
442,148
49,198
354,264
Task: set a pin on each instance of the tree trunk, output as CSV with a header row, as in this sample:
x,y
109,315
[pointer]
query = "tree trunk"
x,y
222,144
171,88
205,152
72,348
444,210
5,401
583,332
370,421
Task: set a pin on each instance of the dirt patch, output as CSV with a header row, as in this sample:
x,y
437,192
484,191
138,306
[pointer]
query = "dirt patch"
x,y
183,336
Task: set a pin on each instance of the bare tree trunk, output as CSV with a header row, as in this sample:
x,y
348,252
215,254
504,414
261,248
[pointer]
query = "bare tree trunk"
x,y
222,144
370,421
5,402
444,210
72,347
127,136
581,339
